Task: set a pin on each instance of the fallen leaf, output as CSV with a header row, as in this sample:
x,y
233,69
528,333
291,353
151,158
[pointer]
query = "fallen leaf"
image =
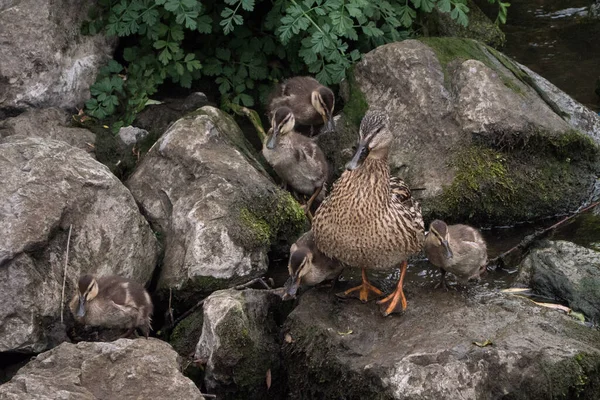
x,y
577,315
269,379
554,306
345,333
483,344
515,290
288,338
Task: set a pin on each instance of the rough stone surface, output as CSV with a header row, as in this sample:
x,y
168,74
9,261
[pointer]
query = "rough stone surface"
x,y
567,272
480,27
348,350
131,135
157,117
214,206
238,344
47,186
125,370
580,117
475,139
50,123
46,61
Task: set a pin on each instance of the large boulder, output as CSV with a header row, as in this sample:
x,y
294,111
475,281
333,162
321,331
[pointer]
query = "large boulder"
x,y
348,350
48,186
472,131
46,60
124,369
238,344
215,208
50,123
567,272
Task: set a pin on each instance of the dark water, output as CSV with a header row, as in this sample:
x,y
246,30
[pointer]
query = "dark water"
x,y
555,39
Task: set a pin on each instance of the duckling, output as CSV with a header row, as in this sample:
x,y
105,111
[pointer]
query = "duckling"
x,y
370,220
311,102
297,160
459,249
308,266
112,302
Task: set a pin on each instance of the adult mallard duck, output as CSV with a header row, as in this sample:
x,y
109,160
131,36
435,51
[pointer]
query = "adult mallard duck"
x,y
459,249
311,102
296,159
369,220
112,302
308,266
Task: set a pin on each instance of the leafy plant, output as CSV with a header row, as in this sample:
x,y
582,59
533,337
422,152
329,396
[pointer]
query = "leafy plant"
x,y
243,45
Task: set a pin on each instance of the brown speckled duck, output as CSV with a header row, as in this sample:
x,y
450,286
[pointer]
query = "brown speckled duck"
x,y
311,102
296,159
112,302
369,220
308,266
459,249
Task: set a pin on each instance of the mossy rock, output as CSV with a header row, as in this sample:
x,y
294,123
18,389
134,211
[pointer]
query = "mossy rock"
x,y
480,27
184,337
474,134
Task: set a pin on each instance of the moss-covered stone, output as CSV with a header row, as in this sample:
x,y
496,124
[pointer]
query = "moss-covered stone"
x,y
356,106
480,27
574,378
184,337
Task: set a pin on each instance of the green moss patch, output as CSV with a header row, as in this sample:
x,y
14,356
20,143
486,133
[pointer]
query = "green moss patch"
x,y
575,378
186,334
357,106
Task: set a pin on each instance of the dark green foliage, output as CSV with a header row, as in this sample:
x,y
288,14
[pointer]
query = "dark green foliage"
x,y
245,45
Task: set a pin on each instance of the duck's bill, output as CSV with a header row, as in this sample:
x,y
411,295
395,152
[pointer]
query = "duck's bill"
x,y
273,139
449,253
330,124
81,308
291,288
355,162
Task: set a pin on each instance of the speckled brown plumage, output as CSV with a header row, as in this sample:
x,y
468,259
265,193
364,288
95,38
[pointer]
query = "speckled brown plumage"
x,y
366,222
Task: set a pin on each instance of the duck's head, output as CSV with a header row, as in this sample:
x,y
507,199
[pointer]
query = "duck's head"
x,y
323,101
439,230
87,290
282,123
299,265
374,137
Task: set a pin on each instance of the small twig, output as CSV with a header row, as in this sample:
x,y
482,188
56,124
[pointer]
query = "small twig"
x,y
253,117
252,282
188,312
170,308
210,396
62,297
528,240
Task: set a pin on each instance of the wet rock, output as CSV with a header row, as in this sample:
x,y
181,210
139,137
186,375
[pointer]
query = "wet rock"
x,y
124,369
348,350
594,11
238,344
50,123
157,117
186,334
477,141
46,60
47,186
480,27
131,135
212,203
567,272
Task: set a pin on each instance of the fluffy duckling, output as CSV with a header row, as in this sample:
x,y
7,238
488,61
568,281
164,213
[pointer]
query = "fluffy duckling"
x,y
112,302
311,103
459,249
308,266
296,159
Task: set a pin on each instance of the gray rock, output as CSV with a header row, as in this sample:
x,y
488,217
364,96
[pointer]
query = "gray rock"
x,y
480,27
567,272
157,118
594,11
46,61
131,135
50,123
479,142
47,186
124,369
348,350
238,343
216,210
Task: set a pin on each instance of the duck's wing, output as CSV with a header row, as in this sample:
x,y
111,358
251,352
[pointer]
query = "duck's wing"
x,y
299,86
308,152
407,205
